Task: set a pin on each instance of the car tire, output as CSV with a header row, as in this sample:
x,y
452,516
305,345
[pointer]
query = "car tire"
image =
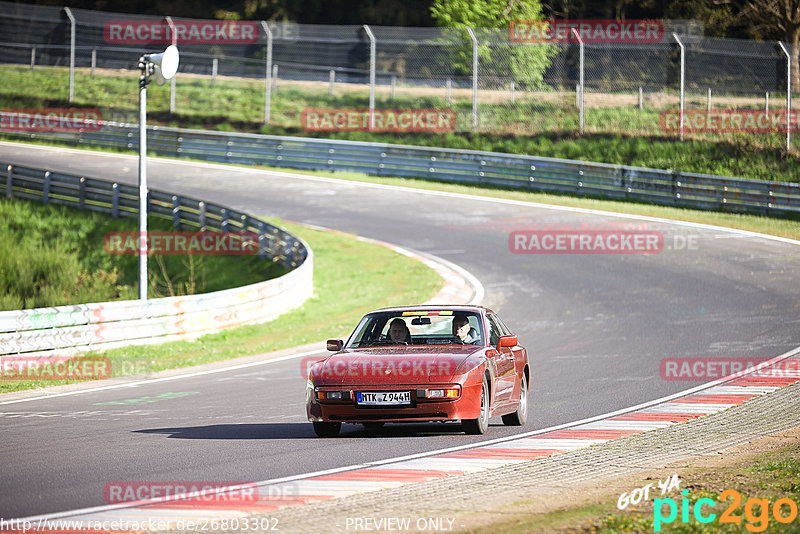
x,y
327,430
479,425
519,417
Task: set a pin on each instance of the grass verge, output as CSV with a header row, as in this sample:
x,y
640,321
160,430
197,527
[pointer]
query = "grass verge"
x,y
760,478
351,277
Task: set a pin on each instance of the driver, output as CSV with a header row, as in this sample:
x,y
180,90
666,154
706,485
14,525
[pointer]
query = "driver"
x,y
398,332
462,332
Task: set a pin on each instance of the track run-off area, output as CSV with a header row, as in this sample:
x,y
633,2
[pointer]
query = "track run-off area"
x,y
599,329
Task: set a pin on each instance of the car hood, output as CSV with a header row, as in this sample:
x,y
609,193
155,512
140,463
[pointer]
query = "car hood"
x,y
392,365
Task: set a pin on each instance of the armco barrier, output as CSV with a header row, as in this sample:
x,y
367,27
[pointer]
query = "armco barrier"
x,y
619,182
77,328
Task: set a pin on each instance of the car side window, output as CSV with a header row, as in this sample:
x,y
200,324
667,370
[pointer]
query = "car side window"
x,y
494,331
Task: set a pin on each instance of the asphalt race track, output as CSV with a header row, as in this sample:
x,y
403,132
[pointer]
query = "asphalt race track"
x,y
596,326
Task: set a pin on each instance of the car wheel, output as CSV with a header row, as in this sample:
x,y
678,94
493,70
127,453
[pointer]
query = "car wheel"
x,y
519,417
327,430
479,425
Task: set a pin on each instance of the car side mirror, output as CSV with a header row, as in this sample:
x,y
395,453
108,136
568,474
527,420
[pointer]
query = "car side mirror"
x,y
507,341
335,344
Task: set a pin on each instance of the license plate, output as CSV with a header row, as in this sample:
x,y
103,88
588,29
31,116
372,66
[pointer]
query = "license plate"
x,y
383,398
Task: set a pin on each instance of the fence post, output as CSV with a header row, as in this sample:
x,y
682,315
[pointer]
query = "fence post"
x,y
788,96
371,76
449,90
683,78
71,53
474,78
331,80
33,57
268,74
214,67
580,79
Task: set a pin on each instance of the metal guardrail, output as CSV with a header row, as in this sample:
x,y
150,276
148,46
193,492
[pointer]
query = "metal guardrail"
x,y
619,182
76,328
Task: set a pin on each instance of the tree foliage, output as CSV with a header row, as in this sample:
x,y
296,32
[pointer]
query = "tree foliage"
x,y
498,57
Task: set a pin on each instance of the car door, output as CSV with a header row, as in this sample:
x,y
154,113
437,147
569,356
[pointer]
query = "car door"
x,y
504,362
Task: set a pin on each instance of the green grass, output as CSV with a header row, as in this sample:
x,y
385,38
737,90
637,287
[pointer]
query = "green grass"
x,y
614,134
53,255
351,277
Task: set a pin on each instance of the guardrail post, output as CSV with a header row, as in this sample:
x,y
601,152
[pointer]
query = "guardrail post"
x,y
331,81
202,216
581,85
474,78
46,188
262,239
268,76
371,77
788,96
394,85
115,200
214,67
9,180
94,60
33,57
176,212
71,53
82,193
766,102
512,91
683,77
224,224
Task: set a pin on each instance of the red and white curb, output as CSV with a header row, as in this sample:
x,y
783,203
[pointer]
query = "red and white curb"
x,y
695,403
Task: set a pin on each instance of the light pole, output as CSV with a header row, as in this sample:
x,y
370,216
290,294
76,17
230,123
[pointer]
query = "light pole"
x,y
162,67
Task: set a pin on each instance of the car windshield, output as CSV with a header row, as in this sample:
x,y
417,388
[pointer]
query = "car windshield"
x,y
417,327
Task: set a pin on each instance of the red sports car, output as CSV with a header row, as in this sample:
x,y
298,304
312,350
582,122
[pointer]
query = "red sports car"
x,y
419,364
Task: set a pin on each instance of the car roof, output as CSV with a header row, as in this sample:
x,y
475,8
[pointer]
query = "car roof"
x,y
423,307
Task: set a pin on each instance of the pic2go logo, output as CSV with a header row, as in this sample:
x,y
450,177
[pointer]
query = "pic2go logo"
x,y
756,511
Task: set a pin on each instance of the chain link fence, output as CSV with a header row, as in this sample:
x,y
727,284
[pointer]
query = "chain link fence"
x,y
492,82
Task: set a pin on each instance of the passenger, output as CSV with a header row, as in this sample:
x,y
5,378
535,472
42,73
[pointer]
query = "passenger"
x,y
399,333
